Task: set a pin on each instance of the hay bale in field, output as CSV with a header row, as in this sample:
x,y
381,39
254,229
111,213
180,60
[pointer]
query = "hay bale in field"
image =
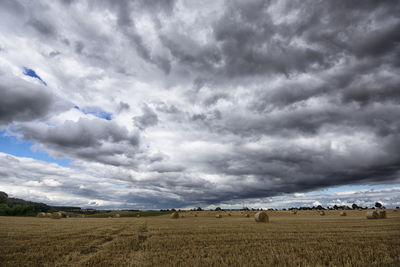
x,y
343,213
372,214
41,215
48,214
117,215
195,215
218,216
229,214
261,217
322,213
294,211
247,215
382,214
56,215
175,215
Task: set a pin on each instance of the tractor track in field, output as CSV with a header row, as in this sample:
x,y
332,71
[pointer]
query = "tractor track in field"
x,y
79,255
128,239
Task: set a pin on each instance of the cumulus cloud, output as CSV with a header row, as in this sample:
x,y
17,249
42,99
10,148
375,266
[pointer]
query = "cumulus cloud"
x,y
90,139
21,100
209,103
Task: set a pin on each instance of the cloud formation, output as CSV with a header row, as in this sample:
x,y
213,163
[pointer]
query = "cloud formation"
x,y
147,119
23,101
207,103
96,140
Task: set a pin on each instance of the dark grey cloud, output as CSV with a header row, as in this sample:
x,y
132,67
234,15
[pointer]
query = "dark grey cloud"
x,y
13,7
91,139
54,53
123,106
79,46
248,39
162,167
44,28
127,11
23,101
147,119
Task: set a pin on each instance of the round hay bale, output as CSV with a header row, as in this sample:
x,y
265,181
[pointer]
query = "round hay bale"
x,y
48,215
41,215
117,215
229,214
56,215
382,214
322,213
372,214
343,213
247,215
261,217
218,216
175,215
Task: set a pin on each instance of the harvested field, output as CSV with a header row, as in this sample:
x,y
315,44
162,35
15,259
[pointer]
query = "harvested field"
x,y
306,239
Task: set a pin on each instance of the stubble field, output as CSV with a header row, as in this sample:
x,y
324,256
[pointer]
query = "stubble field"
x,y
304,239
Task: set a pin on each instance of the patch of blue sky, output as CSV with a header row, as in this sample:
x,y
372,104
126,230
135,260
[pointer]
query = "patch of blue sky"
x,y
96,111
13,146
31,73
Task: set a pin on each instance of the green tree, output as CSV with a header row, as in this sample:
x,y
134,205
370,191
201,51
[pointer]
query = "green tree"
x,y
3,209
3,197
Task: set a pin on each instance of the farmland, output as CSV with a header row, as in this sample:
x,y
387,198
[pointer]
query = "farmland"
x,y
301,239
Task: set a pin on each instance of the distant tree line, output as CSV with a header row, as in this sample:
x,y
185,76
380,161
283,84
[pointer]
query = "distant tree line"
x,y
19,207
378,205
67,208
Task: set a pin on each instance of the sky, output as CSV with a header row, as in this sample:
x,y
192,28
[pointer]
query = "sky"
x,y
152,104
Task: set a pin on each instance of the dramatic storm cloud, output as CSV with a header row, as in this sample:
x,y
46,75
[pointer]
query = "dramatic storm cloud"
x,y
193,103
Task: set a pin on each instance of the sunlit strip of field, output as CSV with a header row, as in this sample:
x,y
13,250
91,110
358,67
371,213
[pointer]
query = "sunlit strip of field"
x,y
305,239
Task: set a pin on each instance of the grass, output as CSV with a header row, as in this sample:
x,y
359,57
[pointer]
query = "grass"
x,y
125,213
305,239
